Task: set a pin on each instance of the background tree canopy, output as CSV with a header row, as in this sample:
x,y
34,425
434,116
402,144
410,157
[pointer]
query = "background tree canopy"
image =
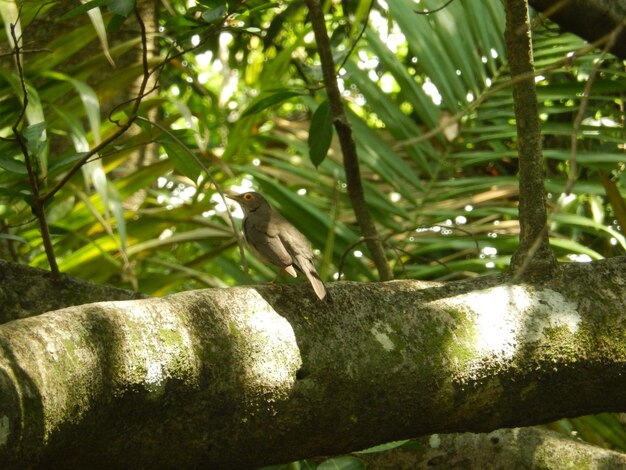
x,y
123,124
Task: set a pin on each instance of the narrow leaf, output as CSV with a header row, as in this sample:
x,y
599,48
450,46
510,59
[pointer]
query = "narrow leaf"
x,y
116,23
83,8
15,238
121,7
12,165
320,133
270,100
95,15
181,158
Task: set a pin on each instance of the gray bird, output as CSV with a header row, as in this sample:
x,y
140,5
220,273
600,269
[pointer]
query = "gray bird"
x,y
276,241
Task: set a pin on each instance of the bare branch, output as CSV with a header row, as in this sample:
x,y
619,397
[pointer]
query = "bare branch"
x,y
534,256
37,205
348,146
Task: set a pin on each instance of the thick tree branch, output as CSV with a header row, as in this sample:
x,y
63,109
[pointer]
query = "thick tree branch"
x,y
534,256
346,140
196,380
589,19
27,292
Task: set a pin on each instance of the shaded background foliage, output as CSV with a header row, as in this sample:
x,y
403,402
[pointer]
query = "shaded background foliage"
x,y
239,94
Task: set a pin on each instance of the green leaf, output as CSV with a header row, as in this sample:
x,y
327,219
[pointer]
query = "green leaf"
x,y
383,447
89,99
15,238
181,157
65,163
320,133
85,7
121,7
95,15
215,14
12,165
116,23
270,100
35,137
342,463
264,6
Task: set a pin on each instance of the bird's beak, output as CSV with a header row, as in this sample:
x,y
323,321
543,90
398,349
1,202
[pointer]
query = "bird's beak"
x,y
232,196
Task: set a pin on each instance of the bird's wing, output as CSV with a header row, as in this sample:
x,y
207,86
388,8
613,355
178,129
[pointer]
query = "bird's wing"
x,y
266,244
292,239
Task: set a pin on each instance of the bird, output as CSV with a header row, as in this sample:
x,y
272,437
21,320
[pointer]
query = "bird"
x,y
274,240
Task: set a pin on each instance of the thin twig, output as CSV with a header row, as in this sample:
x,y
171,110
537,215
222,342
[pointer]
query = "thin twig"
x,y
428,12
346,252
33,174
142,93
358,38
584,102
24,51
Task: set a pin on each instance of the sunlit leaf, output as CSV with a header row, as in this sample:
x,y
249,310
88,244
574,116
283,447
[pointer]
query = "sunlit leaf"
x,y
35,135
342,463
95,15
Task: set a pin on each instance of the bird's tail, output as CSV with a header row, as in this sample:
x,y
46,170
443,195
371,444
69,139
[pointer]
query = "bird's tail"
x,y
309,271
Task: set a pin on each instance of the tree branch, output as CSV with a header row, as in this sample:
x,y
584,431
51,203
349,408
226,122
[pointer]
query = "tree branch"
x,y
45,293
534,256
38,202
521,448
197,379
589,19
348,146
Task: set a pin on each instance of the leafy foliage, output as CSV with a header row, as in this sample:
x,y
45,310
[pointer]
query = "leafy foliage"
x,y
240,105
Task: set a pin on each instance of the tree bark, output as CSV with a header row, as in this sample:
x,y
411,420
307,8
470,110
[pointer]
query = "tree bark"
x,y
504,449
26,291
244,377
534,256
589,19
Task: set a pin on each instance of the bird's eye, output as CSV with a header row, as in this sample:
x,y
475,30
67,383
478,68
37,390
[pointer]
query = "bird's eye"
x,y
247,197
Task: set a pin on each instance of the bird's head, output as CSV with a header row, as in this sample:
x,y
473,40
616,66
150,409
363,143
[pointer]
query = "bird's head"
x,y
249,201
